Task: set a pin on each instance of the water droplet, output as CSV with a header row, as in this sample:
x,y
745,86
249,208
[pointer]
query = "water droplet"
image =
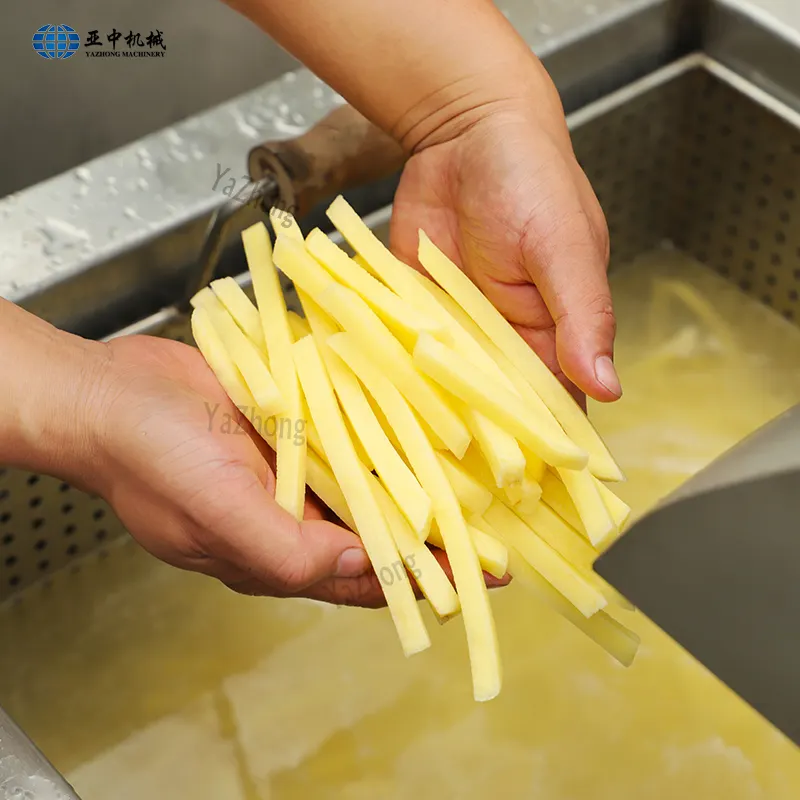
x,y
318,92
83,190
83,174
113,191
61,235
290,77
130,213
246,126
173,137
112,233
142,184
283,108
544,28
287,127
110,180
197,153
143,154
298,119
178,155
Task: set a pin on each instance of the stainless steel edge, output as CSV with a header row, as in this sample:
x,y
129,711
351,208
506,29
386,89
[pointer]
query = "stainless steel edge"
x,y
24,770
119,233
760,41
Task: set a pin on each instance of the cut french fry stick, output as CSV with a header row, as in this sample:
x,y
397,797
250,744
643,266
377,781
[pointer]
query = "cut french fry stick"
x,y
244,313
284,223
398,479
620,511
469,384
469,340
320,478
245,355
492,554
589,504
395,312
471,493
617,640
420,562
564,539
299,325
500,449
555,494
553,394
354,315
370,522
470,585
546,561
525,495
290,478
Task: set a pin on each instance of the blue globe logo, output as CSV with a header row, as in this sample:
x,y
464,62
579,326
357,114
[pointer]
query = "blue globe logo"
x,y
56,41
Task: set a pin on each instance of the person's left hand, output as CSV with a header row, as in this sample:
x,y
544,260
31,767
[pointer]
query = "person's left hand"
x,y
506,199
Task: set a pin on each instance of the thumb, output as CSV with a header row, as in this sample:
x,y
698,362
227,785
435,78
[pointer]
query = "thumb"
x,y
255,535
571,277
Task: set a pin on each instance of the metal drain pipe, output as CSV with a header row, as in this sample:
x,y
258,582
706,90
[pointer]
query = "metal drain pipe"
x,y
24,770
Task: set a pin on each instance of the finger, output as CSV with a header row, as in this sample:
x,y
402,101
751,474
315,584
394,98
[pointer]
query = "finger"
x,y
243,525
563,259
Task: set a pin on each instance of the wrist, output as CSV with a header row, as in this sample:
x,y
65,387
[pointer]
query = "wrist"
x,y
48,422
517,87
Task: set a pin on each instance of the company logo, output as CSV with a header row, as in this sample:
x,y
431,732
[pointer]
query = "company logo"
x,y
56,41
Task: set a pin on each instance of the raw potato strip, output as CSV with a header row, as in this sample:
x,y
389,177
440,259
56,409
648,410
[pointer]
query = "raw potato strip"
x,y
617,640
620,511
471,493
395,475
472,386
492,554
419,560
555,494
354,315
320,478
399,315
501,450
370,522
467,573
573,547
284,223
299,326
290,478
574,422
547,562
591,509
244,313
248,361
525,495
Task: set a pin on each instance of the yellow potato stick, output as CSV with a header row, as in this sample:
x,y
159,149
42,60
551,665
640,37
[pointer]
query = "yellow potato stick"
x,y
555,494
620,511
560,536
492,554
244,313
299,325
398,479
554,568
290,477
535,468
467,573
244,354
468,338
354,315
419,560
597,522
320,478
284,223
471,493
618,641
465,381
525,495
395,312
568,413
370,522
500,449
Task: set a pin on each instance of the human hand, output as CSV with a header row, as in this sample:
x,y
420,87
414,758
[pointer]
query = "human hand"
x,y
193,482
501,192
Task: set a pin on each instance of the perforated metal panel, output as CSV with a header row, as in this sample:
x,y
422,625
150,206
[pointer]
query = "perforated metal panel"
x,y
691,160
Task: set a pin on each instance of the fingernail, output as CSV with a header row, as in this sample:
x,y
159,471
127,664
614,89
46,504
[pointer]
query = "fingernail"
x,y
352,563
606,374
